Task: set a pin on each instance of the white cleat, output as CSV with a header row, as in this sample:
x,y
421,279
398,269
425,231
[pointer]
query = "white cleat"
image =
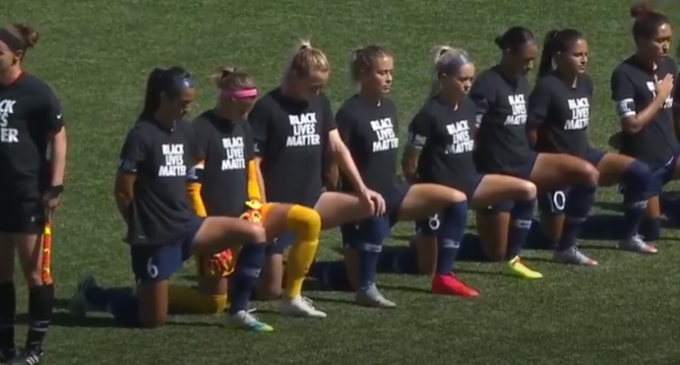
x,y
299,307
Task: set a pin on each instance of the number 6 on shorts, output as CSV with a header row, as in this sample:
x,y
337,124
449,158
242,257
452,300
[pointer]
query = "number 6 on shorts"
x,y
151,269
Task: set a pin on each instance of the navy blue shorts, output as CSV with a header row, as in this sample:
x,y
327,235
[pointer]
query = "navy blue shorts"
x,y
22,217
663,175
376,229
281,243
430,225
153,263
554,202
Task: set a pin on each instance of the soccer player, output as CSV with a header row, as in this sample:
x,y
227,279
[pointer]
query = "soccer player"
x,y
227,180
367,123
559,114
441,144
642,88
163,231
32,161
293,128
501,95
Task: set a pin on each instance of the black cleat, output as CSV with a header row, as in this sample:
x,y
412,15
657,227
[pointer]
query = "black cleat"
x,y
7,354
31,357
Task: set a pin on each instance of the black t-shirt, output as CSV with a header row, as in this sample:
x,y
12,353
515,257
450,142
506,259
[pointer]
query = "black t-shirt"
x,y
446,137
633,89
30,114
160,157
291,136
561,114
224,148
370,133
502,143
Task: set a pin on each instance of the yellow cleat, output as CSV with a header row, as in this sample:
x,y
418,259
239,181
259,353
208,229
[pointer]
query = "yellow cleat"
x,y
516,268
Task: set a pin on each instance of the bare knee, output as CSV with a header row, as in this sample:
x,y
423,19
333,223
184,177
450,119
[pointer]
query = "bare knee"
x,y
256,234
528,190
591,174
456,196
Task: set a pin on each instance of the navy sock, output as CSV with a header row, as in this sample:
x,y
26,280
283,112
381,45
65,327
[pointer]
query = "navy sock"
x,y
636,181
368,255
120,302
8,310
650,229
40,308
124,307
372,233
579,201
522,215
248,266
449,235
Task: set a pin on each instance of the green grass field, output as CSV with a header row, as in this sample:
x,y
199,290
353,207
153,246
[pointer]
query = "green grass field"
x,y
97,54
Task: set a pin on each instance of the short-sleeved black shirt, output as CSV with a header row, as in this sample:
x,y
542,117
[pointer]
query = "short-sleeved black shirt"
x,y
446,137
291,136
633,89
160,157
224,148
30,114
370,133
561,113
502,143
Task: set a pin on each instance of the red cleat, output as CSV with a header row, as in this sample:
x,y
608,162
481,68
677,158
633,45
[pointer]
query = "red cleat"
x,y
449,284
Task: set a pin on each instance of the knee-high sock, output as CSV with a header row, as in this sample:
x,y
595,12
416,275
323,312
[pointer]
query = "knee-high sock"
x,y
636,181
449,235
8,309
372,232
579,201
120,302
306,224
249,263
40,307
520,223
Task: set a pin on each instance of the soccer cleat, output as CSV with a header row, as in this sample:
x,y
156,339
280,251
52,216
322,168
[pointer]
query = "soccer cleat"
x,y
7,354
515,267
371,297
299,307
574,257
31,357
245,320
78,305
637,244
449,284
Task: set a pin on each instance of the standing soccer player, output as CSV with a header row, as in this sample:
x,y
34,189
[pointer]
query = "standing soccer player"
x,y
642,88
559,115
163,231
440,151
367,123
227,181
31,185
293,128
501,94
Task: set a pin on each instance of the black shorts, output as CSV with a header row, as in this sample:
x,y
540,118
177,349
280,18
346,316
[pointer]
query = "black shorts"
x,y
22,217
430,225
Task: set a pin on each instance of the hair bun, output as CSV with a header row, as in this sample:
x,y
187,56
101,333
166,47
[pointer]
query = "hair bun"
x,y
304,44
498,41
28,33
641,8
225,71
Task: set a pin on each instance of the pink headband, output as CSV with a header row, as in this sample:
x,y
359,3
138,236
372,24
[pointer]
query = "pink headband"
x,y
240,93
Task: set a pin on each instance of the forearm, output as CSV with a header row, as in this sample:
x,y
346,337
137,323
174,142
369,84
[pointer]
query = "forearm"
x,y
58,158
346,164
646,115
